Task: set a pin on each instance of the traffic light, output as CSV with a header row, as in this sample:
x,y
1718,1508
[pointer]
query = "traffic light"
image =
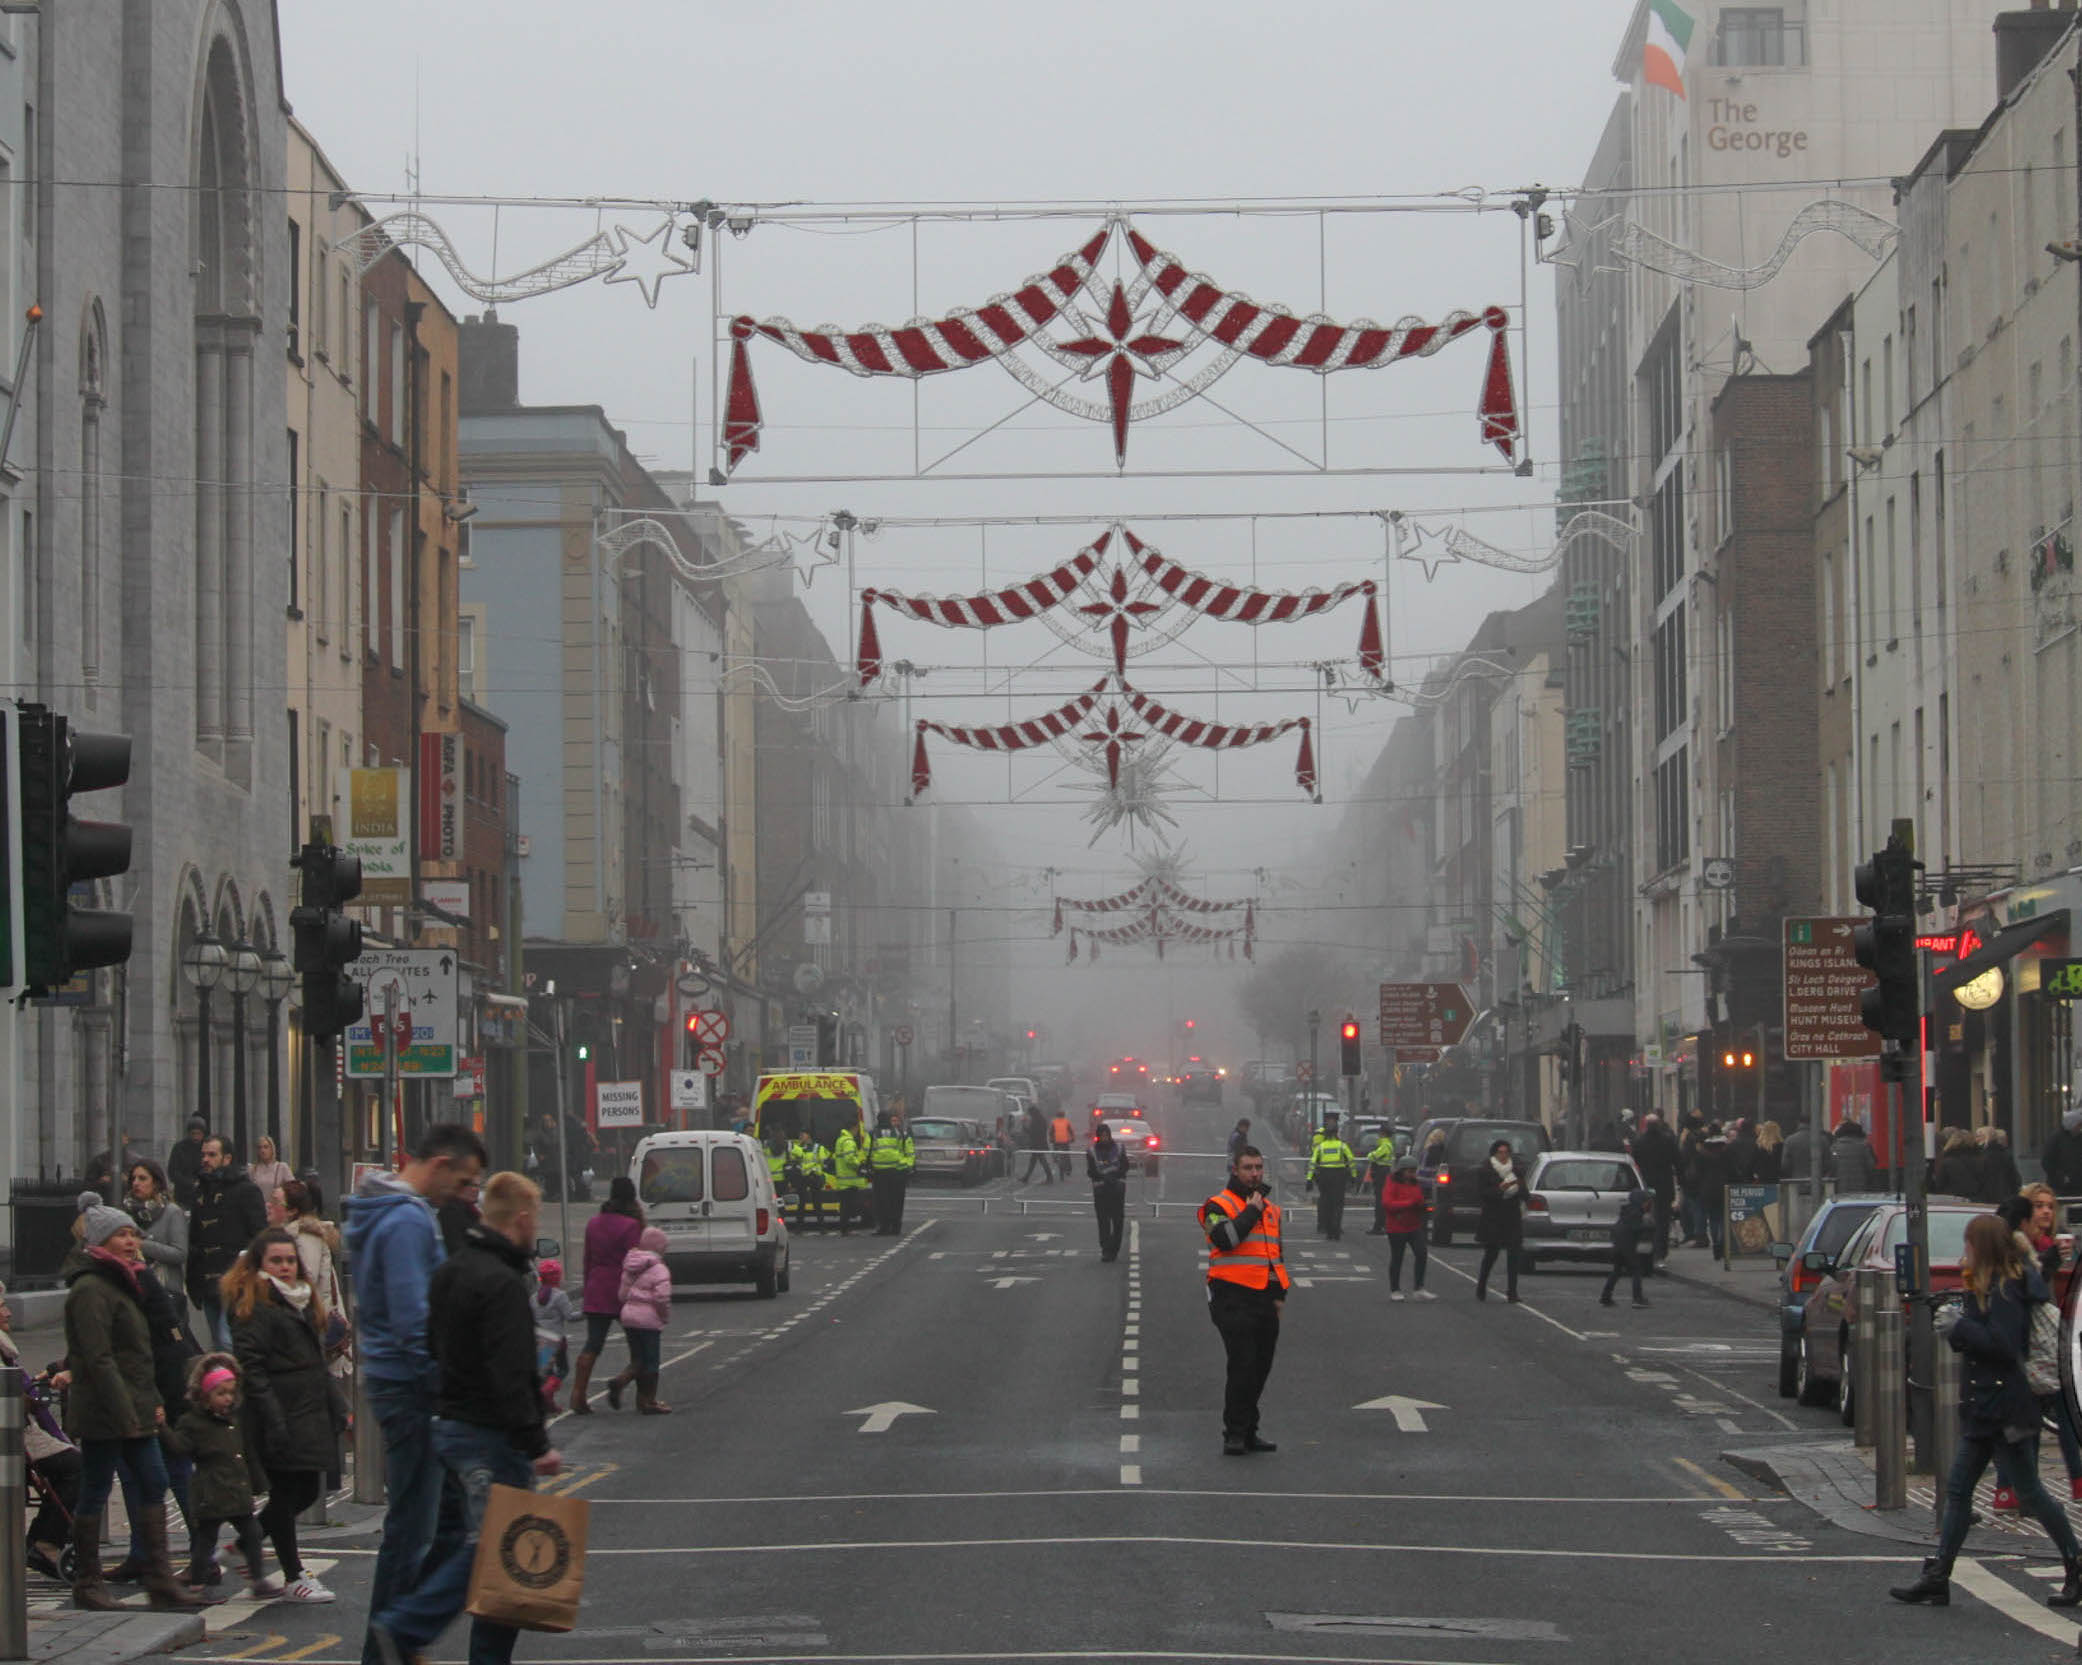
x,y
1733,1060
1190,1024
1348,1044
327,941
58,851
1033,1034
1886,943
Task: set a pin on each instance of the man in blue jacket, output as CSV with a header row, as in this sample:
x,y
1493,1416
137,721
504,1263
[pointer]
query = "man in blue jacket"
x,y
394,1248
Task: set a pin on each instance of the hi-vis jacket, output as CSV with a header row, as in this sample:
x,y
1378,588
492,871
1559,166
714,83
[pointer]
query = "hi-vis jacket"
x,y
1243,1241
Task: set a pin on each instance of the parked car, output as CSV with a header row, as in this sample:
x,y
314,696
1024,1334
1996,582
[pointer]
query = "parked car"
x,y
1826,1321
712,1195
1572,1202
1137,1138
951,1147
1450,1188
1826,1234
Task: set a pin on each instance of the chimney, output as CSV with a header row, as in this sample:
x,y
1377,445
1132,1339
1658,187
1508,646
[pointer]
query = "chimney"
x,y
490,364
2022,40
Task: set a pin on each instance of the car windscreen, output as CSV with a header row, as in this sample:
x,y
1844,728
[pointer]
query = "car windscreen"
x,y
1470,1141
671,1175
1947,1235
1587,1176
979,1104
938,1130
1834,1229
826,1118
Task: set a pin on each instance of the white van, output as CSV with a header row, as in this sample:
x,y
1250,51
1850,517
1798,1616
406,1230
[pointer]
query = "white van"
x,y
712,1195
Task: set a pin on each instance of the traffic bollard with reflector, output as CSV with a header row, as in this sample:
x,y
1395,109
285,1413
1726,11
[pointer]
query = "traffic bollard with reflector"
x,y
1887,1387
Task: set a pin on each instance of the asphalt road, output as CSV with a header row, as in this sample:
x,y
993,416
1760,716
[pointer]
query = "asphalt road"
x,y
1043,1478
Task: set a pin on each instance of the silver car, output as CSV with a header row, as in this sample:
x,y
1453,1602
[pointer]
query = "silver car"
x,y
1572,1202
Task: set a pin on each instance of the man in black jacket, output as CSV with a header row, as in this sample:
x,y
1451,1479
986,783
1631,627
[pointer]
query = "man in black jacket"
x,y
490,1428
2063,1156
1656,1157
184,1163
1106,1163
229,1213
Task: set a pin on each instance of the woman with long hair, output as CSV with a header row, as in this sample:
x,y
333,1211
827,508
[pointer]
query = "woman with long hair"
x,y
1998,1413
294,1412
268,1171
610,1235
149,1200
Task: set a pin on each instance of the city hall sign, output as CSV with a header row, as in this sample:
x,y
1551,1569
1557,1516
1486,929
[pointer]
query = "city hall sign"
x,y
1734,127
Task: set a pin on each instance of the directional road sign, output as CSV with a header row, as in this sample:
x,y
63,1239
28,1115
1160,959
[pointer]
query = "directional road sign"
x,y
1423,1014
425,979
1823,981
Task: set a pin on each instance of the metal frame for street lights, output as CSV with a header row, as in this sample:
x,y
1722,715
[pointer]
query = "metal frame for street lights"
x,y
203,963
277,978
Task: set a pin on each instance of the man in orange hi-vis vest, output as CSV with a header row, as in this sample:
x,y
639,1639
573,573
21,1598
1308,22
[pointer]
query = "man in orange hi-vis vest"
x,y
1246,1292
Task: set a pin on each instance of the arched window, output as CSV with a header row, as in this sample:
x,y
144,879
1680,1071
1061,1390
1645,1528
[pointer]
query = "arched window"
x,y
227,325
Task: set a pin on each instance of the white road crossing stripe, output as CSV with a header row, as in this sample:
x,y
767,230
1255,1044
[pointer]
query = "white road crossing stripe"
x,y
2010,1601
851,1547
1131,1474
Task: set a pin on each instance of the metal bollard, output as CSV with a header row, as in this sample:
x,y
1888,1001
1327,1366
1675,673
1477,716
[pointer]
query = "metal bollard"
x,y
1887,1387
1944,1433
1875,1290
14,1520
368,1447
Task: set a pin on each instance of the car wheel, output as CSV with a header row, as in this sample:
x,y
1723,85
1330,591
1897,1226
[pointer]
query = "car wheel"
x,y
1812,1390
786,1275
766,1280
1788,1372
1846,1387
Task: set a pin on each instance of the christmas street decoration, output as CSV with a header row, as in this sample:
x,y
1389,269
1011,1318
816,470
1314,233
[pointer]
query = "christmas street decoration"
x,y
1139,798
649,260
1633,242
1160,926
619,256
1121,602
1167,328
1434,546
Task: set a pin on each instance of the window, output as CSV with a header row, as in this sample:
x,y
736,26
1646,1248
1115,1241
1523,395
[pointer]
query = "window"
x,y
1672,795
1865,405
444,436
1724,666
294,510
296,289
346,573
1758,37
1664,378
1937,528
1944,768
346,317
321,263
28,558
1724,492
1666,535
1670,674
675,1175
1869,590
727,1172
371,346
1893,629
397,589
466,657
1825,432
396,432
1908,353
1916,804
1887,386
1915,513
321,564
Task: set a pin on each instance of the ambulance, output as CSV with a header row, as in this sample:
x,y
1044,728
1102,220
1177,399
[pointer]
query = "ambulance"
x,y
825,1101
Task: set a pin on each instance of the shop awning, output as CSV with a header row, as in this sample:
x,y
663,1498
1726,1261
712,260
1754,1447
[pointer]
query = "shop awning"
x,y
2003,947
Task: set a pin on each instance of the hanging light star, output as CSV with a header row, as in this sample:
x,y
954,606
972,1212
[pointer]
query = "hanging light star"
x,y
648,261
1115,350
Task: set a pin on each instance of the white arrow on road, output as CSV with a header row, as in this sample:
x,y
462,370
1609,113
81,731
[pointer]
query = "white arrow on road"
x,y
1007,1283
881,1418
1408,1413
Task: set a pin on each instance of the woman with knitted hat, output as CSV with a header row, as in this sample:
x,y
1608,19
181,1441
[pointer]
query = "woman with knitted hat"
x,y
114,1410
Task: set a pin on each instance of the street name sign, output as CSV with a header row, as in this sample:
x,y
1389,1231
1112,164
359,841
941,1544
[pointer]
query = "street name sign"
x,y
1423,1014
425,979
1823,981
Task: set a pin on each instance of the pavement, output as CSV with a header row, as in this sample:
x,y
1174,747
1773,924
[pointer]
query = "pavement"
x,y
978,1442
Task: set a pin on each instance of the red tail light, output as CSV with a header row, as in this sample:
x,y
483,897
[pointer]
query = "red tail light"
x,y
761,1223
1535,1203
1152,1142
1443,1178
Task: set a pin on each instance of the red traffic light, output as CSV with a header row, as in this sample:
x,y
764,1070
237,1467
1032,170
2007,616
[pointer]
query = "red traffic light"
x,y
1350,1031
693,1022
1033,1034
1190,1024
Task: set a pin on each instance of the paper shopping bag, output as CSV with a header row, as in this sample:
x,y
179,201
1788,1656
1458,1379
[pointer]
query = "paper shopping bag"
x,y
531,1560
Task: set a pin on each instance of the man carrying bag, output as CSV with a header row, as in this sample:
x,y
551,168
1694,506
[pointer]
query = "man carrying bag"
x,y
490,1436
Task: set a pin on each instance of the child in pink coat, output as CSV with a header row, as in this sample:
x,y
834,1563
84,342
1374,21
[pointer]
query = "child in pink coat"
x,y
646,1309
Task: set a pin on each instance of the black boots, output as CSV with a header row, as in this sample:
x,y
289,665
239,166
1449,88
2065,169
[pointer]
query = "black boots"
x,y
2070,1593
1934,1588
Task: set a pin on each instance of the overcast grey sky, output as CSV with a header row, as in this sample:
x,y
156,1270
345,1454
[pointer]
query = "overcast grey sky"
x,y
915,100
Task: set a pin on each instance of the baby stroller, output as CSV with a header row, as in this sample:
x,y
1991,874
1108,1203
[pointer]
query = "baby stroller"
x,y
45,1495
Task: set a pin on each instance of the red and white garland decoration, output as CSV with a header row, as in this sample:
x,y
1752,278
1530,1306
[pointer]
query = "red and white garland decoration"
x,y
1159,927
1152,893
1112,734
1123,598
1128,342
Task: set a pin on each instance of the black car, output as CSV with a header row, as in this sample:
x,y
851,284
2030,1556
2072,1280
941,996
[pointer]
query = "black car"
x,y
1202,1086
1451,1186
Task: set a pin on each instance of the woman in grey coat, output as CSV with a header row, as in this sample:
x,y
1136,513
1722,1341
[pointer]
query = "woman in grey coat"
x,y
148,1199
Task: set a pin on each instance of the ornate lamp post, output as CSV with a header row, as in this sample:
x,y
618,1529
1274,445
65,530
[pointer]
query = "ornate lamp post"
x,y
277,978
242,978
203,963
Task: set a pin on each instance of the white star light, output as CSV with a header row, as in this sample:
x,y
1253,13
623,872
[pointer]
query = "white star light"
x,y
1428,546
649,261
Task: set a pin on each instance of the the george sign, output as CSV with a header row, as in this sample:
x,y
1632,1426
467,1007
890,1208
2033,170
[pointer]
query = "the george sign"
x,y
618,1104
1823,982
1755,1220
377,832
441,797
469,1079
1423,1014
2060,979
689,1090
903,1034
711,1026
711,1061
425,980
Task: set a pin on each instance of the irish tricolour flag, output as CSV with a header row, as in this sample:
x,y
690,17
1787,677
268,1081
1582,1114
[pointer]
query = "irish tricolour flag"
x,y
1669,38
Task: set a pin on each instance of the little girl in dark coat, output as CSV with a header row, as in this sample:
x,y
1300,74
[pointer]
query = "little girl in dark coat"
x,y
220,1493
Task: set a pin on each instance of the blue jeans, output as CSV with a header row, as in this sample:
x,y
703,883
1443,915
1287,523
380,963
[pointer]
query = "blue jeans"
x,y
218,1325
475,1459
419,1514
178,1469
136,1460
2016,1466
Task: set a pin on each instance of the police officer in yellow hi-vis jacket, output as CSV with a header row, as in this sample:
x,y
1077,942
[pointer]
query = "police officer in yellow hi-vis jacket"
x,y
849,1177
891,1157
1247,1286
1331,1164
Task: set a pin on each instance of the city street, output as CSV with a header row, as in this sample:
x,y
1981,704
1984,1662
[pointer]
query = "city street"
x,y
980,1442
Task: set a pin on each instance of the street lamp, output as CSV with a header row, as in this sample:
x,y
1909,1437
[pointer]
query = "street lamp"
x,y
203,963
241,978
277,978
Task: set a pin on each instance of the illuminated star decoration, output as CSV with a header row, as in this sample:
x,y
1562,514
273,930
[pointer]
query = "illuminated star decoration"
x,y
1117,613
1110,737
1139,798
649,261
1120,356
1428,546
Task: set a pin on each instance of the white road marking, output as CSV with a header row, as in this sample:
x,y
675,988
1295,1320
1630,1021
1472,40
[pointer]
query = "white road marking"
x,y
1408,1413
1502,1500
1131,1443
2010,1601
1130,1412
881,1418
1131,1474
1574,1335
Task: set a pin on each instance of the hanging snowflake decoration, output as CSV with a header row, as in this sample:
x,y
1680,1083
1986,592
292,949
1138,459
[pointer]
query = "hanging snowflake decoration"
x,y
1138,798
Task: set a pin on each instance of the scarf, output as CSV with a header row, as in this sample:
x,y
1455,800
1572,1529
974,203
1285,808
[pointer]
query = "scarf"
x,y
1505,1173
146,1211
297,1295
